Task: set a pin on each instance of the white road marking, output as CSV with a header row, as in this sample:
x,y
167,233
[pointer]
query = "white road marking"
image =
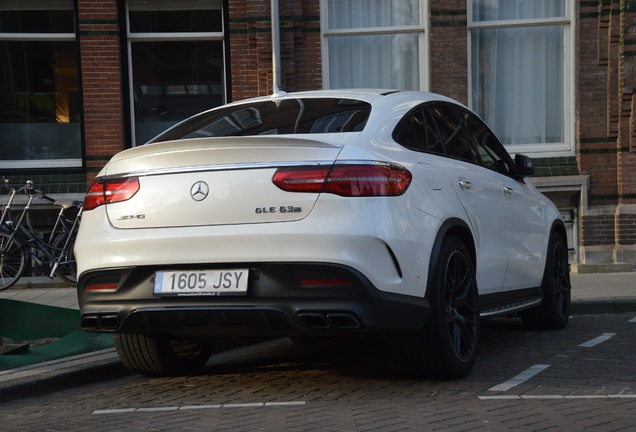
x,y
292,403
528,397
153,409
633,320
597,340
521,378
244,405
115,411
199,407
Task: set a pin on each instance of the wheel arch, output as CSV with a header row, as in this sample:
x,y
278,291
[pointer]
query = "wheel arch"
x,y
558,226
459,228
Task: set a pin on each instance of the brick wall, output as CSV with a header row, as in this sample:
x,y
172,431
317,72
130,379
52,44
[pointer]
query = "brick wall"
x,y
101,81
605,104
448,49
598,229
626,227
301,54
605,91
250,38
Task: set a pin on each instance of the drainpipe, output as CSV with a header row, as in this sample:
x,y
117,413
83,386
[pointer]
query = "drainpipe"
x,y
275,49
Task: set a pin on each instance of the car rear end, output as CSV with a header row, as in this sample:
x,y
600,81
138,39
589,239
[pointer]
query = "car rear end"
x,y
242,236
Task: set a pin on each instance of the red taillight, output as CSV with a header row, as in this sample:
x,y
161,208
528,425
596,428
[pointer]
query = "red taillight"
x,y
301,179
110,191
351,180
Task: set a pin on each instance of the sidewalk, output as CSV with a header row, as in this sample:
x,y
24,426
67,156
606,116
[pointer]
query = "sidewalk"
x,y
595,293
603,292
599,293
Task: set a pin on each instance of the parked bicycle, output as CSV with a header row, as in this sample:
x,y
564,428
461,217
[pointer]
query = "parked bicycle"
x,y
21,245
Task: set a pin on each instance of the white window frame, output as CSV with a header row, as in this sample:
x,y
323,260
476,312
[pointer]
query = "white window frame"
x,y
568,147
164,37
423,40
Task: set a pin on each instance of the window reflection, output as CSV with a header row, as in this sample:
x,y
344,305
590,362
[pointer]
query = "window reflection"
x,y
290,116
40,106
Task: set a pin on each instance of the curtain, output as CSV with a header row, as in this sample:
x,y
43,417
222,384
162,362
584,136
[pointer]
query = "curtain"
x,y
374,60
518,72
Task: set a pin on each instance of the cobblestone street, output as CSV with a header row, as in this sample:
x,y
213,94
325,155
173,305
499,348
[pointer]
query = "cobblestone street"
x,y
581,378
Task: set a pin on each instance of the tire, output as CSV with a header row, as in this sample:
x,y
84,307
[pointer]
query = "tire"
x,y
155,355
13,259
554,312
447,346
67,273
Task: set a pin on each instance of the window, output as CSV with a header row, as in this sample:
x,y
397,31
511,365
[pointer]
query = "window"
x,y
40,106
452,132
418,131
374,44
287,116
490,153
447,130
411,131
436,128
518,67
177,65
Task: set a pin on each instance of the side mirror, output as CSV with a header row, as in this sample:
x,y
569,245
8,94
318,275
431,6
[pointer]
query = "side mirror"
x,y
524,166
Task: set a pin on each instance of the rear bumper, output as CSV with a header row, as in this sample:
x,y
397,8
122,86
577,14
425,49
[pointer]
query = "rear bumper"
x,y
278,303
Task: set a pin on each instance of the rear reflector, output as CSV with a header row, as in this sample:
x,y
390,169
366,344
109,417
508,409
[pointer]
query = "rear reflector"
x,y
100,287
349,180
103,282
110,191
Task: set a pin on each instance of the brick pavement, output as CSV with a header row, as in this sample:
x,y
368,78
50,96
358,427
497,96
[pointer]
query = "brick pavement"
x,y
276,386
591,294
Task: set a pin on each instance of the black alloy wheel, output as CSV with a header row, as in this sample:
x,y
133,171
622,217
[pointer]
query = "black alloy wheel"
x,y
447,345
554,312
561,279
460,299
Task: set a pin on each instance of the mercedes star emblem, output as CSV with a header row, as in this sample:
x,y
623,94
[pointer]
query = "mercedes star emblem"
x,y
199,191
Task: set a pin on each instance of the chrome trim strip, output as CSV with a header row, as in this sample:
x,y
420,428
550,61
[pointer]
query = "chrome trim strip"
x,y
237,167
514,307
204,168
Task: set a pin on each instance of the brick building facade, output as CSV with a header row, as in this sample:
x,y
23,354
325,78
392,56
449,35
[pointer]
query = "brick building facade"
x,y
592,179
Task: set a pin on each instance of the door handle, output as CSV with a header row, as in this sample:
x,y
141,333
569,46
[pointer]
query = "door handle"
x,y
508,190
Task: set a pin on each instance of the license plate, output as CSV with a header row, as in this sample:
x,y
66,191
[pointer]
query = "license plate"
x,y
201,282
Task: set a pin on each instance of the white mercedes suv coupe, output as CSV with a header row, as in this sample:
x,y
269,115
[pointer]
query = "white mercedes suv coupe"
x,y
394,214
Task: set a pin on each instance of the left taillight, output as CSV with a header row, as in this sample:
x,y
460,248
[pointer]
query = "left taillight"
x,y
109,191
348,180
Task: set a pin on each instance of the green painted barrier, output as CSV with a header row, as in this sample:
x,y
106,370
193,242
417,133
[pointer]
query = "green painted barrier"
x,y
24,321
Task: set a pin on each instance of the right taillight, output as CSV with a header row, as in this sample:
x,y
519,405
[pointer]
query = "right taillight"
x,y
110,191
349,180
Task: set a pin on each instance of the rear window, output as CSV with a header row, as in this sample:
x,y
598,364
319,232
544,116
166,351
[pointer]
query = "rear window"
x,y
275,117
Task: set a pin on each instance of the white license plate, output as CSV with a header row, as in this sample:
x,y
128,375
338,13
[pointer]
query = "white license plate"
x,y
201,282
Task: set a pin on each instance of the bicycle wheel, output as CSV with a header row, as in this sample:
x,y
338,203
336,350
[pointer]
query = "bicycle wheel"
x,y
12,261
67,270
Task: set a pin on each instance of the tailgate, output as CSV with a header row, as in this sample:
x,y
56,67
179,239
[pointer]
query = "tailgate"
x,y
229,182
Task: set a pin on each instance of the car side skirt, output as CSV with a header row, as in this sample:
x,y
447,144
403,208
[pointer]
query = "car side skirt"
x,y
510,302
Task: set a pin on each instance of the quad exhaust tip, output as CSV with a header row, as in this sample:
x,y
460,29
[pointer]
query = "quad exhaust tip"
x,y
100,322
